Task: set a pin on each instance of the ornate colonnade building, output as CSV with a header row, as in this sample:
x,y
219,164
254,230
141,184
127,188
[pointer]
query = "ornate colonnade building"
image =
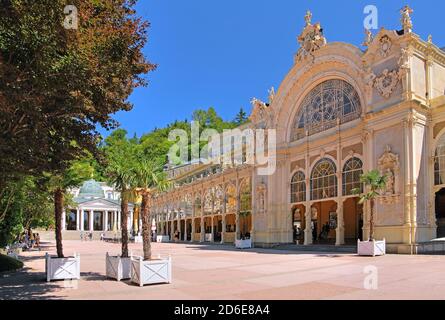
x,y
339,112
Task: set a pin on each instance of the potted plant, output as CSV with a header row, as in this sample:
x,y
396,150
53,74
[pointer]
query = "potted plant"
x,y
57,268
118,267
145,270
374,182
58,182
120,173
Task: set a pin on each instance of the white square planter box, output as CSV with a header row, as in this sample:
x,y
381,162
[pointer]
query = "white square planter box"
x,y
243,244
371,248
208,237
162,238
62,268
151,271
117,267
138,239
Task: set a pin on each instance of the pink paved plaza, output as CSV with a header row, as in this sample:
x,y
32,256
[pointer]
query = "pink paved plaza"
x,y
222,272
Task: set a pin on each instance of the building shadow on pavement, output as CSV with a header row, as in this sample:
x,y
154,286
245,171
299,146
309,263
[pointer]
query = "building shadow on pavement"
x,y
26,285
319,251
93,276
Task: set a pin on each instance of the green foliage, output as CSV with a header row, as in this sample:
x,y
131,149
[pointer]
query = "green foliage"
x,y
374,183
150,175
24,204
9,264
241,117
57,85
121,158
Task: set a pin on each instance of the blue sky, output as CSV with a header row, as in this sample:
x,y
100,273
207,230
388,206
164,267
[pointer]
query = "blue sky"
x,y
221,53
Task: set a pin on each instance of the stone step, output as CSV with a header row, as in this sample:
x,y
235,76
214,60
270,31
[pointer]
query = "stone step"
x,y
318,248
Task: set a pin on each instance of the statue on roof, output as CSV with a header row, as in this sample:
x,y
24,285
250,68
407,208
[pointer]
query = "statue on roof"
x,y
311,39
368,38
308,18
407,23
271,95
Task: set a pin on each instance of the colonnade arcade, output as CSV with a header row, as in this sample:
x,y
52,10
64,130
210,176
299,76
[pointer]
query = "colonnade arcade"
x,y
220,212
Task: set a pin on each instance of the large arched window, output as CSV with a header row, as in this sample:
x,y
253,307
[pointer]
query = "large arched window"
x,y
330,100
218,201
188,206
208,202
324,180
439,162
298,188
197,208
230,198
245,196
352,172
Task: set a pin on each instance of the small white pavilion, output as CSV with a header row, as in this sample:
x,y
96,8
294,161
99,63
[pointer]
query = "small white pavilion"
x,y
98,208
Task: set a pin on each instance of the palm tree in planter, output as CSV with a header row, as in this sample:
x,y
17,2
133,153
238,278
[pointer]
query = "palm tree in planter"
x,y
373,183
58,183
150,179
121,176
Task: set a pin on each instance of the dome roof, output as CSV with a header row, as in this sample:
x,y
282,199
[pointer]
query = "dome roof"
x,y
91,189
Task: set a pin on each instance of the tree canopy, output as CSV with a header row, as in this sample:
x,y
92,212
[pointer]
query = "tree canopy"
x,y
57,85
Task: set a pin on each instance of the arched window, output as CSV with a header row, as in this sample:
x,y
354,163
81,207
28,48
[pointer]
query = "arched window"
x,y
188,205
218,200
245,196
439,162
324,180
298,188
208,202
230,199
197,205
352,172
330,100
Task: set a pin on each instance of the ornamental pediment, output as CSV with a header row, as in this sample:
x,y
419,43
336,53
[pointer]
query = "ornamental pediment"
x,y
383,45
98,204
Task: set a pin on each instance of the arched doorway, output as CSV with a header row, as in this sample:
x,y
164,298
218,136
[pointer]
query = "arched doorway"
x,y
324,189
439,182
440,213
298,223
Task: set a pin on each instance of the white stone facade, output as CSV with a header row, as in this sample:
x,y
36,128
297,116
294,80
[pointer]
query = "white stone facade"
x,y
392,119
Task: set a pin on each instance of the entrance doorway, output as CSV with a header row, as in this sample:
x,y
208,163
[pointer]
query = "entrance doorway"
x,y
324,222
440,213
189,230
353,220
298,223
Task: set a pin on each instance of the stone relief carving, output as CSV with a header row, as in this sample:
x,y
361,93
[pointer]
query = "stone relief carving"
x,y
389,165
310,40
385,46
261,196
386,83
259,110
403,61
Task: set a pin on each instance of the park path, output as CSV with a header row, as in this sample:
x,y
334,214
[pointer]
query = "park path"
x,y
223,272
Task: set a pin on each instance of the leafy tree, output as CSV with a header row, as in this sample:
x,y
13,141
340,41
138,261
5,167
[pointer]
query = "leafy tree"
x,y
241,117
57,85
374,183
24,204
150,179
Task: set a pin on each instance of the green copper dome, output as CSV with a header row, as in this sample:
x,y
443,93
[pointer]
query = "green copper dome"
x,y
91,189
